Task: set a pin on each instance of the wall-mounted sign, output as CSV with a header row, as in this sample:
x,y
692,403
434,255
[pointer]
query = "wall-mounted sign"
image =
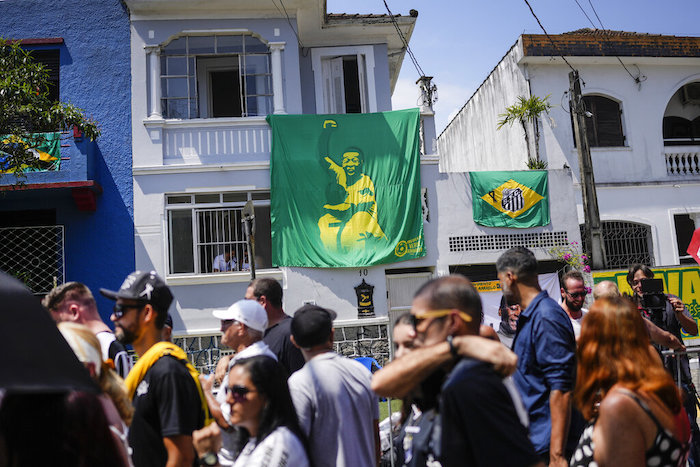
x,y
365,300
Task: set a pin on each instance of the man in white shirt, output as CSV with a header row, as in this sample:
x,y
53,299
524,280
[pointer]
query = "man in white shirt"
x,y
223,263
242,327
573,296
337,409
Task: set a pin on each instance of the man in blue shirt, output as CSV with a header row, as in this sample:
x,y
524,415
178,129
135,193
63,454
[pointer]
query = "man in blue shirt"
x,y
546,348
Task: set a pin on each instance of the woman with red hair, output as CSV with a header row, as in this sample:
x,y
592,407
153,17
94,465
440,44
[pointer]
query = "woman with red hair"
x,y
633,407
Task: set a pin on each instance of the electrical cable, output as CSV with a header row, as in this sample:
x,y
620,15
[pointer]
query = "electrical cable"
x,y
405,42
548,36
289,21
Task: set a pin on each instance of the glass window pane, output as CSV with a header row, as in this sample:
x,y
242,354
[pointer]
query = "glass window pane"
x,y
257,64
175,87
180,236
208,198
235,197
179,199
176,66
201,45
229,44
176,47
176,108
263,238
261,196
253,45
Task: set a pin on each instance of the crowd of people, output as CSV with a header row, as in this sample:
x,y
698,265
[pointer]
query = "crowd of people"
x,y
555,384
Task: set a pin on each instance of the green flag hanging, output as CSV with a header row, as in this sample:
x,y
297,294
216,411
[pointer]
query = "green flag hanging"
x,y
517,199
345,189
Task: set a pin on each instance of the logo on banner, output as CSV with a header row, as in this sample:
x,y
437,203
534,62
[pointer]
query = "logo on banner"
x,y
512,198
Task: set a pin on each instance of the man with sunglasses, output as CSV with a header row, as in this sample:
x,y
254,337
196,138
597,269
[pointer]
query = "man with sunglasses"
x,y
164,387
73,302
242,327
546,348
573,296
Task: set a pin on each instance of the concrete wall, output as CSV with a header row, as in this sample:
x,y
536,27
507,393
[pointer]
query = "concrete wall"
x,y
471,140
456,219
95,76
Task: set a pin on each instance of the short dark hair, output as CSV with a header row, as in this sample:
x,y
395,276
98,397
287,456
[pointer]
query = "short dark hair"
x,y
452,291
270,288
520,261
639,267
75,291
405,318
312,325
573,274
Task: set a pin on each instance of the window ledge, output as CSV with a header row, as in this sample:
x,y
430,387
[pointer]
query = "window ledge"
x,y
360,321
204,122
220,278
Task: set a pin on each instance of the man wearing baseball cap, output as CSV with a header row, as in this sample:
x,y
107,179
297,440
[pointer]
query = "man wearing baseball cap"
x,y
163,384
331,391
242,327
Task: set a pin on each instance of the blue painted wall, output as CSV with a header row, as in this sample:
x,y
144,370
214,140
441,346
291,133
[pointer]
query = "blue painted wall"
x,y
95,75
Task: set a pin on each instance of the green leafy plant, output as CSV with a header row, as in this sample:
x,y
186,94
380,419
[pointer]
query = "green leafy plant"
x,y
572,255
26,110
536,164
527,110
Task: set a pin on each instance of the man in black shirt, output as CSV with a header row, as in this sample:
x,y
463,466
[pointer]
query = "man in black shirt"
x,y
164,387
268,292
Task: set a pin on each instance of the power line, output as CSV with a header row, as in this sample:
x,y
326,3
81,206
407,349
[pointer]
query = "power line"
x,y
289,21
548,36
637,79
405,42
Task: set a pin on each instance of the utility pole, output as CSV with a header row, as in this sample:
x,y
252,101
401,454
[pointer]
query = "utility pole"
x,y
593,231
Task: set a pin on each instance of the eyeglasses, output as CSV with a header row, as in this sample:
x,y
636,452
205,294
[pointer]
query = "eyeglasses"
x,y
120,310
239,393
225,323
576,294
419,317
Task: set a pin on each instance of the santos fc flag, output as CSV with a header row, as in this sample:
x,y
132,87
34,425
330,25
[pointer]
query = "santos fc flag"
x,y
517,199
345,189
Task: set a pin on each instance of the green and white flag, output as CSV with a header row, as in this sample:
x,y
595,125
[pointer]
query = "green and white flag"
x,y
517,199
345,189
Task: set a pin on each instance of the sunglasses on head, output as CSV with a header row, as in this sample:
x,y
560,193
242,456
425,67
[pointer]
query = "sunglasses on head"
x,y
121,310
238,392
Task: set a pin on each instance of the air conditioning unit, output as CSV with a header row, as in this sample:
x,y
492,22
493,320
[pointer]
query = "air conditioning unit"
x,y
690,94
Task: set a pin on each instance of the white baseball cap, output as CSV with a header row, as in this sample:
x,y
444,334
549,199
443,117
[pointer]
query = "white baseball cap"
x,y
248,312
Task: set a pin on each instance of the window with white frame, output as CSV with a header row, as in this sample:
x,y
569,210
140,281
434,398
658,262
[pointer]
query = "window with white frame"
x,y
216,76
206,232
344,79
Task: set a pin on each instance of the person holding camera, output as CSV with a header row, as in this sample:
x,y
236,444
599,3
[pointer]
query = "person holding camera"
x,y
670,314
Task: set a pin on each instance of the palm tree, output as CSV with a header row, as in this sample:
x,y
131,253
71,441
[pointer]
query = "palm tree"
x,y
527,109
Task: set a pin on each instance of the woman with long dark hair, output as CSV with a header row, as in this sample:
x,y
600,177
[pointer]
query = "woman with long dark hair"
x,y
633,407
260,403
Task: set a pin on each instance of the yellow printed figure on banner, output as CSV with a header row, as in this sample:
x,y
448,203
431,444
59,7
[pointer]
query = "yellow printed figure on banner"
x,y
512,198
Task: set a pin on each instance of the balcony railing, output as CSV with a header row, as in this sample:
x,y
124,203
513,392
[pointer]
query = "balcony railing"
x,y
683,160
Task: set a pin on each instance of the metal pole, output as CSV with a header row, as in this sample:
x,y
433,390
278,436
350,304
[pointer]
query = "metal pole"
x,y
592,226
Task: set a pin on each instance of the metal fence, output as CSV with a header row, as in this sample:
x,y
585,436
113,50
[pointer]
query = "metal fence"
x,y
34,255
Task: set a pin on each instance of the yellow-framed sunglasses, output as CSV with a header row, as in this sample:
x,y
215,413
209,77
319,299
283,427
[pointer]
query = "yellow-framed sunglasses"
x,y
418,317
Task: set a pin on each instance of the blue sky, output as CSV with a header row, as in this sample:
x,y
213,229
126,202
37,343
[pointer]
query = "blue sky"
x,y
459,42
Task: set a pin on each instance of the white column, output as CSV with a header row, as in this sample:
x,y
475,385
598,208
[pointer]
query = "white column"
x,y
154,88
276,49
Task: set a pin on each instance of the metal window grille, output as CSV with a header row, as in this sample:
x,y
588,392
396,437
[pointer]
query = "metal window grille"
x,y
203,351
219,231
506,241
179,78
625,243
363,341
34,255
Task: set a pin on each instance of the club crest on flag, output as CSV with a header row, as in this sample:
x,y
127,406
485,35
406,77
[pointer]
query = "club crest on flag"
x,y
512,198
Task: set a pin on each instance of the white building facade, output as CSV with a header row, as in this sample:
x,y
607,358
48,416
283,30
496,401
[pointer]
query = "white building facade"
x,y
643,129
204,76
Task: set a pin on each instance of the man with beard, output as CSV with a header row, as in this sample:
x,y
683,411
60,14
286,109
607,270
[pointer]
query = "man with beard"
x,y
163,384
546,348
573,296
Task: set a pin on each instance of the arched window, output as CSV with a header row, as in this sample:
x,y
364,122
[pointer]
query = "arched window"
x,y
681,125
216,76
604,127
626,243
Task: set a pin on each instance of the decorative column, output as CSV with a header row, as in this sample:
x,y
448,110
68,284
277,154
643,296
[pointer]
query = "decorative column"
x,y
154,88
276,49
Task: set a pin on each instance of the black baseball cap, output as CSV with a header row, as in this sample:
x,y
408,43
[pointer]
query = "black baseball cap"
x,y
146,287
311,325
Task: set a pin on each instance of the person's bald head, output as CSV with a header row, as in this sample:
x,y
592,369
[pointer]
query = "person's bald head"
x,y
605,289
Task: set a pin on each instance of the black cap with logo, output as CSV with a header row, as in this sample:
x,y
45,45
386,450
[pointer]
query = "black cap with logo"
x,y
146,287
